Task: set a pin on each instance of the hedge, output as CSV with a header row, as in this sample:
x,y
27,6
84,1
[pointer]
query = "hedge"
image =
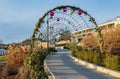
x,y
90,55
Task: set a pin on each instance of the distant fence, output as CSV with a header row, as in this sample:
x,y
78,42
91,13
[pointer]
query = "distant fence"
x,y
2,52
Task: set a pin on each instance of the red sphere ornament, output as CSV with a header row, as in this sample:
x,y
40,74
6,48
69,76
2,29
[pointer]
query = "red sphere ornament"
x,y
51,13
64,9
79,12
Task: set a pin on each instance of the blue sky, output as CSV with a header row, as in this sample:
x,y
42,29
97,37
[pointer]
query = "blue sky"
x,y
18,17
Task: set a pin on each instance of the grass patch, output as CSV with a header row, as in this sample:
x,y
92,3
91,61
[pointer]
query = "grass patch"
x,y
2,58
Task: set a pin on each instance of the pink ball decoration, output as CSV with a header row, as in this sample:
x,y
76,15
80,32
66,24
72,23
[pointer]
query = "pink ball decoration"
x,y
58,19
64,9
51,13
79,12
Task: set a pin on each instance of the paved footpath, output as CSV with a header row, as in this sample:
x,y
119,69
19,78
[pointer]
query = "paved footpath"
x,y
63,67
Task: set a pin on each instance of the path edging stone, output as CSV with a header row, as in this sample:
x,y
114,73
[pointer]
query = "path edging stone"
x,y
98,68
48,72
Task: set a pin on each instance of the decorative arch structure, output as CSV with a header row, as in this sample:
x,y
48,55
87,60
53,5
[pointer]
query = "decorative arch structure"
x,y
70,17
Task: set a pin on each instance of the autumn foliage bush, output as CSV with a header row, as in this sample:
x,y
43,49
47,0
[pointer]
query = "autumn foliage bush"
x,y
15,57
112,40
111,37
90,40
22,64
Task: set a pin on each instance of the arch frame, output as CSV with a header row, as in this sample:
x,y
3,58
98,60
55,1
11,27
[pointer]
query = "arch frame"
x,y
73,8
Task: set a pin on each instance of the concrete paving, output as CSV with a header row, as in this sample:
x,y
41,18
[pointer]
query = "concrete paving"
x,y
63,67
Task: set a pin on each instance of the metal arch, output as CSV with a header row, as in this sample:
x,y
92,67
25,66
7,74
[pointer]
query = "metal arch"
x,y
74,19
71,23
67,19
54,33
81,16
98,31
69,16
60,24
73,26
63,24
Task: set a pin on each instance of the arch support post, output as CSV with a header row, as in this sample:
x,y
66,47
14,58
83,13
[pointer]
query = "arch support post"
x,y
100,39
99,35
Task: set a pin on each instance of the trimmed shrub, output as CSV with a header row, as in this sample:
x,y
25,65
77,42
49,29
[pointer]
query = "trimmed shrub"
x,y
97,58
107,60
112,62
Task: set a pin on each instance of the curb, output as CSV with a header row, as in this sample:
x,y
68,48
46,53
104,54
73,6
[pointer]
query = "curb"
x,y
97,68
48,72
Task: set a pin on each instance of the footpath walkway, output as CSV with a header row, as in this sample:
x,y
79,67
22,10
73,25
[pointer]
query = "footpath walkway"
x,y
63,67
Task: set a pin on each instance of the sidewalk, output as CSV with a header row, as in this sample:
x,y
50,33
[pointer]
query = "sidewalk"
x,y
63,67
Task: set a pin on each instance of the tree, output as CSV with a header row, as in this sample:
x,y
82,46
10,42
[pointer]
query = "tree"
x,y
65,35
26,42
